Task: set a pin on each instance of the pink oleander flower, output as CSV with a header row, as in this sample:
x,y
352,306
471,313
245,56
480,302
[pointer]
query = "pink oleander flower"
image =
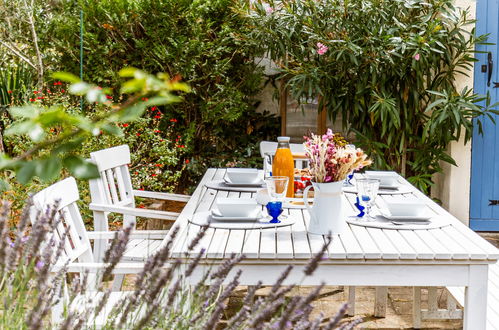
x,y
321,48
416,57
269,10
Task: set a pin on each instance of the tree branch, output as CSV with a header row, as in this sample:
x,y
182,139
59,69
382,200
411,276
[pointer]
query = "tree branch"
x,y
29,10
18,54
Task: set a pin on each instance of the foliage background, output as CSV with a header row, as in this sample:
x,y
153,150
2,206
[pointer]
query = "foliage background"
x,y
199,42
204,43
389,68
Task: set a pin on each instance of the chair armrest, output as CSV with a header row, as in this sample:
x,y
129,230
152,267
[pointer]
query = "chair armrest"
x,y
146,234
138,212
93,267
160,195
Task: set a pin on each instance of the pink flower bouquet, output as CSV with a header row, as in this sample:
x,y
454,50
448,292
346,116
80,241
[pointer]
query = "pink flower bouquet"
x,y
330,162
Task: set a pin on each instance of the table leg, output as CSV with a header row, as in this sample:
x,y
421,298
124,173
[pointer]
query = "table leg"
x,y
380,301
475,301
351,301
416,307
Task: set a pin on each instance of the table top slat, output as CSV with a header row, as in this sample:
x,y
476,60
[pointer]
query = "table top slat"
x,y
441,251
301,247
422,250
251,244
370,248
406,251
216,249
458,252
475,252
234,242
284,243
491,251
268,243
388,250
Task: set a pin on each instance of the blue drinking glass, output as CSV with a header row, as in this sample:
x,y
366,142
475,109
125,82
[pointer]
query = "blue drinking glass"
x,y
274,209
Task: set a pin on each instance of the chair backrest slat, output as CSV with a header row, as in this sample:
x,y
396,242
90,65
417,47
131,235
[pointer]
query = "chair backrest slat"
x,y
121,185
65,193
112,185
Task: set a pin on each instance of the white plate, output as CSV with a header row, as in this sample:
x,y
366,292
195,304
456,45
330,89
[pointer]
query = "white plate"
x,y
401,189
257,183
205,218
401,218
255,215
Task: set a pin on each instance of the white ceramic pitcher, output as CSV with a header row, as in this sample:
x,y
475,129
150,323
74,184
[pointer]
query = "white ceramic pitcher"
x,y
326,214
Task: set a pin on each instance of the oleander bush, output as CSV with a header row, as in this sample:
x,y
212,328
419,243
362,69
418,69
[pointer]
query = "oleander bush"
x,y
388,67
35,279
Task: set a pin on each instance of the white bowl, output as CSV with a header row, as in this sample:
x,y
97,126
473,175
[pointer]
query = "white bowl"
x,y
236,207
386,178
406,207
242,175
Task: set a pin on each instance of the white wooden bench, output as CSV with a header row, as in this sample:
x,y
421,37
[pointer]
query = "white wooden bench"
x,y
456,298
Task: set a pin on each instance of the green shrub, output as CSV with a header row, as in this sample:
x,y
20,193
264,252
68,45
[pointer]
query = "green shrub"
x,y
204,43
388,67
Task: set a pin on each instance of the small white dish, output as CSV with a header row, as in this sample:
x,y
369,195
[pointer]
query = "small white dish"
x,y
400,218
405,207
242,175
257,183
253,216
236,207
386,178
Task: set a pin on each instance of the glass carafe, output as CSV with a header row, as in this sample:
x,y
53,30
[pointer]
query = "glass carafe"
x,y
283,164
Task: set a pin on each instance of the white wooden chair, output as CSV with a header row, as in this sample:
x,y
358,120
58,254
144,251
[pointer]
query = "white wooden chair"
x,y
77,246
113,192
268,149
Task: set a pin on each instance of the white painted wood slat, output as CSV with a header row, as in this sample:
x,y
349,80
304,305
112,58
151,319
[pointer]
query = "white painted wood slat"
x,y
406,251
299,235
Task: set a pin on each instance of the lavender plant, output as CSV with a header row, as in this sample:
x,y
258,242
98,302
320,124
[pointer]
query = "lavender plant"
x,y
165,293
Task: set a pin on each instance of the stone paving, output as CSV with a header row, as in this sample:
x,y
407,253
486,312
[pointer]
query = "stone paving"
x,y
399,309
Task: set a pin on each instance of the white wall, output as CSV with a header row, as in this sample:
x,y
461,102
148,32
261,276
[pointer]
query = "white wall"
x,y
453,187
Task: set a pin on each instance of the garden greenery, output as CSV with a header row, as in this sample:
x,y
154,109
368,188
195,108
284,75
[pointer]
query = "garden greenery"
x,y
205,43
55,134
389,67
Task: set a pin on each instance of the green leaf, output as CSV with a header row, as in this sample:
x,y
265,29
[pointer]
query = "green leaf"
x,y
23,112
4,185
69,146
49,168
66,76
81,168
26,172
127,72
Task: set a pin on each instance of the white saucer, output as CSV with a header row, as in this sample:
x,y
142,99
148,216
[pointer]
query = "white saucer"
x,y
254,215
413,218
257,183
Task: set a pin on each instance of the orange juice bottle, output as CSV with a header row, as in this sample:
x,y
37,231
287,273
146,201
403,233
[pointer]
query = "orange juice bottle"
x,y
283,164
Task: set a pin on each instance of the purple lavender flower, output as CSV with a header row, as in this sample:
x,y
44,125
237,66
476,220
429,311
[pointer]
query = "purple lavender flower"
x,y
39,265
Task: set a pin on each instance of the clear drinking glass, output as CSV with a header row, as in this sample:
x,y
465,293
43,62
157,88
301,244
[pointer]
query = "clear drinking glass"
x,y
367,190
277,187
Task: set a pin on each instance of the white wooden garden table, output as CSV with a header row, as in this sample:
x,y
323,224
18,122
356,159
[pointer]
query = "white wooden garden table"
x,y
450,256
